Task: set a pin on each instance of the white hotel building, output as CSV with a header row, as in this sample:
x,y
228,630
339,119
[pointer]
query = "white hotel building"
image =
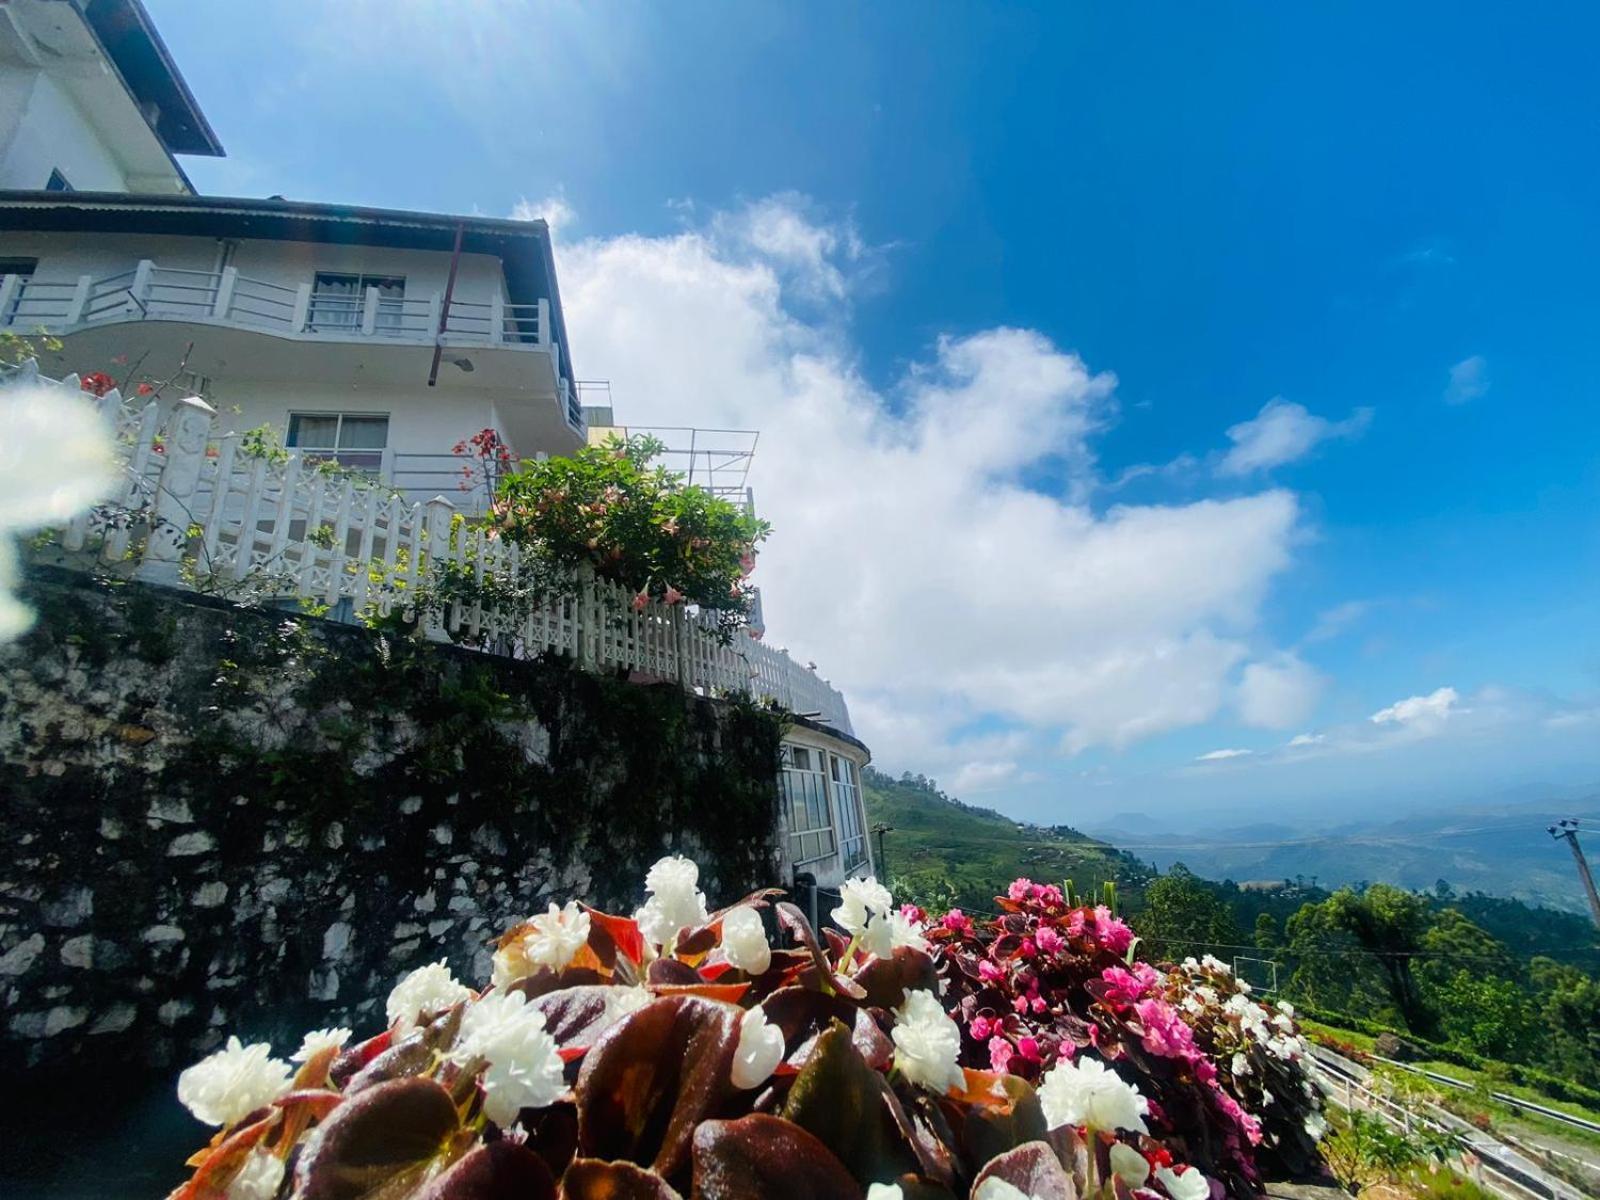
x,y
379,338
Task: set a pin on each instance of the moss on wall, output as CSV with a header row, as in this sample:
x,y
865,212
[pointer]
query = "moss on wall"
x,y
233,820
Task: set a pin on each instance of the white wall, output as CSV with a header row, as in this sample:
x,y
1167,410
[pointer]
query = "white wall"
x,y
42,129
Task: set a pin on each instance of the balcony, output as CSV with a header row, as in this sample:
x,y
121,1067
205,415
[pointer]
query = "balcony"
x,y
375,338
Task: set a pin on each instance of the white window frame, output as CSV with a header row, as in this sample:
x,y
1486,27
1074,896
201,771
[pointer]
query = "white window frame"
x,y
337,312
851,819
808,804
355,459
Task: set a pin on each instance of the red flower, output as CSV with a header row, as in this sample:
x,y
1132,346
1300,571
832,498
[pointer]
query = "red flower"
x,y
97,382
145,389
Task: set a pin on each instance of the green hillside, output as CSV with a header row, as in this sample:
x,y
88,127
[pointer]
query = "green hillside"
x,y
944,852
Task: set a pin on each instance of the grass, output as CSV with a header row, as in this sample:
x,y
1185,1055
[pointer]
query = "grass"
x,y
1477,1102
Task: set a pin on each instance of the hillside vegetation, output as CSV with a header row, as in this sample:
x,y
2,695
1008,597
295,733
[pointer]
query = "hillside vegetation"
x,y
944,853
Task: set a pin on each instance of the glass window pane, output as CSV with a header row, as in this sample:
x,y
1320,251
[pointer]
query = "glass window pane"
x,y
364,433
315,430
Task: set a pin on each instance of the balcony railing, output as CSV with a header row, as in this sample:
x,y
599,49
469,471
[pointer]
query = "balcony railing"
x,y
193,509
153,292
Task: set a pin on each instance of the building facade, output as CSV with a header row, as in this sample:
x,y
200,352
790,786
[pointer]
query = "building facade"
x,y
376,338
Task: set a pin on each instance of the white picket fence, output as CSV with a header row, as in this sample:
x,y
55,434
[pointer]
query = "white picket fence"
x,y
215,516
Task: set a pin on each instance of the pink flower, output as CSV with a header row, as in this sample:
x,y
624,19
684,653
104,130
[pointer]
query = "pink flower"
x,y
1029,1048
1165,1032
1027,949
1050,895
981,1028
1037,1003
1020,890
747,563
1114,935
957,921
1049,941
1020,1004
673,595
988,972
1075,923
912,913
1000,1054
1124,986
639,601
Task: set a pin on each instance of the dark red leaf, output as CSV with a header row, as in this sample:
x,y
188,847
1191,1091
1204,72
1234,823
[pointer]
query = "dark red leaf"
x,y
761,1157
355,1057
804,1014
792,919
387,1132
217,1170
844,1102
611,937
411,1055
1032,1169
544,981
652,1077
670,970
995,1113
887,980
594,1179
575,1016
494,1171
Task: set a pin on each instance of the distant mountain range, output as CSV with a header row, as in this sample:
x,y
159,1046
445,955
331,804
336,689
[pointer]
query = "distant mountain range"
x,y
1500,847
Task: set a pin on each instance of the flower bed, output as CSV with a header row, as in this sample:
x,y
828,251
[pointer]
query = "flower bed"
x,y
678,1052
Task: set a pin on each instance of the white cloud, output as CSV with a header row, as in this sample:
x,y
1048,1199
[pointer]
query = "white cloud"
x,y
1220,755
911,559
1469,379
1420,712
1283,432
553,210
977,777
1334,621
1278,693
1308,739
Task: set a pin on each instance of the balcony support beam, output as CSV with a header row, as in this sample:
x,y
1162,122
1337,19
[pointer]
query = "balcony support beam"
x,y
369,313
79,301
302,309
224,300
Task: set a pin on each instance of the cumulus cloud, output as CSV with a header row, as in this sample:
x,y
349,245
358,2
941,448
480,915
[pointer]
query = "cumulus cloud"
x,y
916,557
1469,379
1220,755
1283,432
553,210
1307,739
1419,711
1278,693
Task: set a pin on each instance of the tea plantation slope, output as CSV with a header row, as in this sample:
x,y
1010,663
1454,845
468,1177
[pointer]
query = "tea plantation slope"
x,y
942,851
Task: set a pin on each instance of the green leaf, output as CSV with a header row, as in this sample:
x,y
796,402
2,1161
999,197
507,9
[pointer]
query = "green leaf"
x,y
652,1077
844,1102
762,1157
389,1131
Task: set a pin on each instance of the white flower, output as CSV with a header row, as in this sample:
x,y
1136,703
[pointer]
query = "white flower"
x,y
927,1043
1286,1008
1128,1165
1316,1126
1191,1185
1216,964
1241,1065
759,1052
258,1179
428,989
553,941
1191,1004
1283,1023
233,1082
884,1191
887,932
859,900
1086,1093
318,1040
744,941
524,1063
622,1001
56,459
995,1188
673,903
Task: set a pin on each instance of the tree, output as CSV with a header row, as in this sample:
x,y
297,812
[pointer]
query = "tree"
x,y
1331,970
1389,924
1268,937
1182,915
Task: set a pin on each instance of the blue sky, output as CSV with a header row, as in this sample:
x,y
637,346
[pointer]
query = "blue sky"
x,y
865,227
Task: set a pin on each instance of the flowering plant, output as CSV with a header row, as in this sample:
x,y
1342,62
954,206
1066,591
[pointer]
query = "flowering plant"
x,y
606,507
675,1051
1051,980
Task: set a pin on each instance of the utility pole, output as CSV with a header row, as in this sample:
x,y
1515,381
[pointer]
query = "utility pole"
x,y
883,864
1567,829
